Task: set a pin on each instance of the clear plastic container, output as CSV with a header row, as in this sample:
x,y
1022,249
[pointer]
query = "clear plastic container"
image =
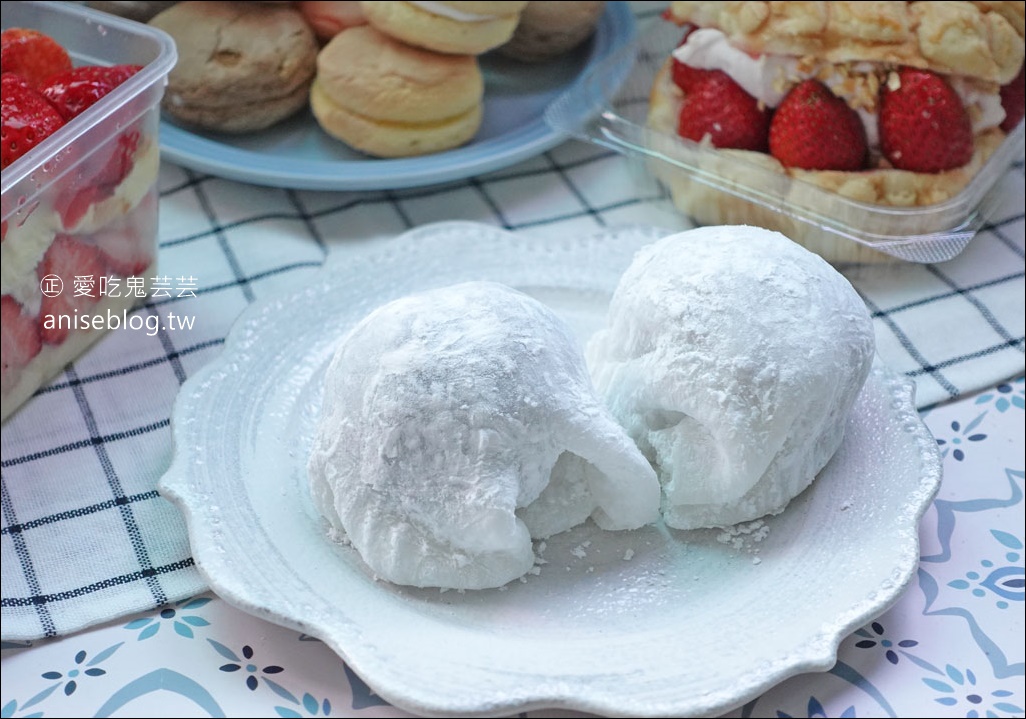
x,y
81,205
734,187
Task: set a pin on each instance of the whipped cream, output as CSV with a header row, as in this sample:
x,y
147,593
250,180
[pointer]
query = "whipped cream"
x,y
22,250
985,109
709,49
441,8
768,77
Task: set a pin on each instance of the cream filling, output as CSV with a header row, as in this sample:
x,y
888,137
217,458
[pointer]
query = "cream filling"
x,y
440,8
22,251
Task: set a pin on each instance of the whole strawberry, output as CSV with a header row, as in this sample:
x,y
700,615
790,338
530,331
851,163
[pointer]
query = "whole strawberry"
x,y
923,125
32,55
73,91
1013,102
813,129
685,76
26,118
719,108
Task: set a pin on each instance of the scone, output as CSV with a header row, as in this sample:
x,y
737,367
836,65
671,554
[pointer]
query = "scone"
x,y
548,29
733,357
449,26
389,99
881,63
457,424
242,66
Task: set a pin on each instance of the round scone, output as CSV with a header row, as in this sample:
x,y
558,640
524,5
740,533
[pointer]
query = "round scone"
x,y
548,29
456,27
389,99
733,357
242,66
457,424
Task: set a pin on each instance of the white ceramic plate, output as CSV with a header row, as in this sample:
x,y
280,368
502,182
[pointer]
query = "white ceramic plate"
x,y
298,154
652,622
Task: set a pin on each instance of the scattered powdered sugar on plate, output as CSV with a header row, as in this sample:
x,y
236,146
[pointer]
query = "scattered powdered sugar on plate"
x,y
744,535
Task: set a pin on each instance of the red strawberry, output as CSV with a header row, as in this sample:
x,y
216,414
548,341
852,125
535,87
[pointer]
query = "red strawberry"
x,y
73,91
26,118
118,162
687,77
1013,102
813,129
68,259
923,125
684,76
32,55
98,177
19,341
718,107
127,245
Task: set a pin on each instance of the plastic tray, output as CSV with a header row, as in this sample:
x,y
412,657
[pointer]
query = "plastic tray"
x,y
718,187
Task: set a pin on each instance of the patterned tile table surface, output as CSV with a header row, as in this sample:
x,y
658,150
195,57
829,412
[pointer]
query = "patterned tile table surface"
x,y
951,647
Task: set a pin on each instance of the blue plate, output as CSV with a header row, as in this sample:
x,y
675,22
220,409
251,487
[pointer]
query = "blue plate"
x,y
298,154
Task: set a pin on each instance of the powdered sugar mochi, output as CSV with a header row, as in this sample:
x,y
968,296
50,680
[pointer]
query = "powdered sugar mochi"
x,y
732,356
459,423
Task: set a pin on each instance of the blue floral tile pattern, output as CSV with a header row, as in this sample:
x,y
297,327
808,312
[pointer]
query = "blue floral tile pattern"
x,y
952,646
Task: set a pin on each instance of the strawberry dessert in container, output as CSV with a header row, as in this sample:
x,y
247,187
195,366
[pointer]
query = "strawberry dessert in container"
x,y
866,131
80,154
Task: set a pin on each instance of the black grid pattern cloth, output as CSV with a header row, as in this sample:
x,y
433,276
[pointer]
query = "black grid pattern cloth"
x,y
85,536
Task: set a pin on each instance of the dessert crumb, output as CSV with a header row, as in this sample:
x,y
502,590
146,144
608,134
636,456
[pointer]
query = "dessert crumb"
x,y
746,533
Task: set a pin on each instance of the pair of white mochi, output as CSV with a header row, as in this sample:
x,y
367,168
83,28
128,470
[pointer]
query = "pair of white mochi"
x,y
460,423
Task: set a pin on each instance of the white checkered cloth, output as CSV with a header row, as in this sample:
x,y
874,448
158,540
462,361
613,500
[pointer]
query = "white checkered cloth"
x,y
85,536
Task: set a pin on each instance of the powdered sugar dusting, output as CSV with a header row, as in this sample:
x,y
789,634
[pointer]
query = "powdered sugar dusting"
x,y
459,423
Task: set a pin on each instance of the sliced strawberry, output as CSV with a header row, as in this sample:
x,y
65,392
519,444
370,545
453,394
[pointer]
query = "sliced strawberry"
x,y
98,177
73,91
26,118
1013,102
68,259
118,161
19,341
813,129
127,246
719,107
923,125
32,55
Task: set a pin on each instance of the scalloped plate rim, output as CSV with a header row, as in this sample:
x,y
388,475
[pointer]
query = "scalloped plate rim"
x,y
820,651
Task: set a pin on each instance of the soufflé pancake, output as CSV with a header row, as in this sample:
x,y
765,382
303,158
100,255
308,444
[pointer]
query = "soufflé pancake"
x,y
389,99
